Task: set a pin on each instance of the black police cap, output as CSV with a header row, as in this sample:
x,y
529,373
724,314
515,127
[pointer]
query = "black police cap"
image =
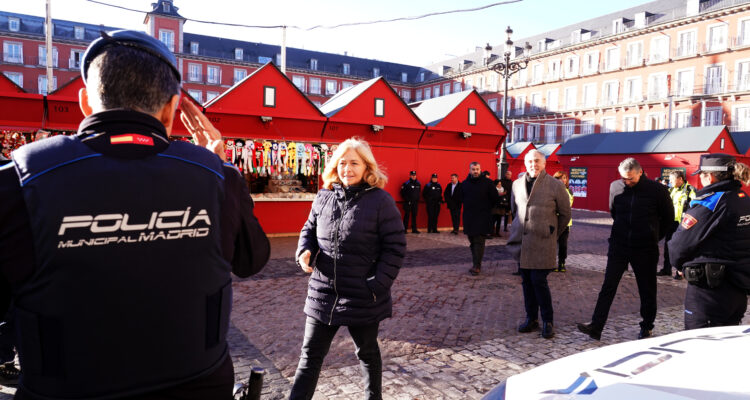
x,y
434,175
717,162
413,173
133,39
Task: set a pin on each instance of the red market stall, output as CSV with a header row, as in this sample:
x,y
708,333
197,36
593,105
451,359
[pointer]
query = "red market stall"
x,y
461,129
550,153
63,110
373,111
21,114
273,133
515,153
592,160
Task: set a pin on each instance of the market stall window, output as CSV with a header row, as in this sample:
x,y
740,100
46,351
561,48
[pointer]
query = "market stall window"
x,y
379,107
269,96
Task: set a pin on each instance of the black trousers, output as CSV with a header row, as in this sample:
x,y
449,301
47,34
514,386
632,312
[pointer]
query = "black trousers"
x,y
476,245
410,209
643,261
721,306
318,338
670,232
562,246
433,211
508,216
536,294
456,217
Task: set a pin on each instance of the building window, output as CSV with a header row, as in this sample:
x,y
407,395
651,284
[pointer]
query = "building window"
x,y
299,81
633,90
16,77
418,95
43,56
421,76
609,92
743,76
315,85
12,52
345,85
591,63
74,62
657,86
214,75
238,54
630,123
375,72
165,7
379,107
194,49
536,102
264,59
717,38
654,121
456,87
523,77
554,70
659,51
550,132
714,81
589,95
167,37
517,133
269,96
635,54
472,116
713,117
682,119
532,132
313,64
536,73
568,128
196,94
194,72
78,32
446,88
520,105
686,44
685,83
570,98
436,90
427,93
346,69
406,95
239,74
14,24
42,84
493,105
575,36
552,99
618,26
331,87
741,117
492,83
404,77
211,95
612,59
587,126
571,67
743,39
608,125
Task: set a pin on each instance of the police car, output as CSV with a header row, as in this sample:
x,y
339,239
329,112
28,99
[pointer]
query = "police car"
x,y
708,363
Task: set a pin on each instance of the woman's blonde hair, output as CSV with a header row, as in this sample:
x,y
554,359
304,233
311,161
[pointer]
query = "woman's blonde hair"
x,y
373,175
561,176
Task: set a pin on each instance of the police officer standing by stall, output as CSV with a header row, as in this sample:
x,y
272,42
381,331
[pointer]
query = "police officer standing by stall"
x,y
712,245
119,243
433,197
682,193
410,193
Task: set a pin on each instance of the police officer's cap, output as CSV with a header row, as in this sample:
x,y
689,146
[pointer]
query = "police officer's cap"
x,y
413,173
133,39
434,175
717,162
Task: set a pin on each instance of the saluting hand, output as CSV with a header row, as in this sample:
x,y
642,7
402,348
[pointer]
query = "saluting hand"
x,y
304,261
201,129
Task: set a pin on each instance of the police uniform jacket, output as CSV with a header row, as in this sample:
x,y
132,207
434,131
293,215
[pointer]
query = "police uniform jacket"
x,y
119,246
357,245
716,229
452,196
432,192
641,214
410,191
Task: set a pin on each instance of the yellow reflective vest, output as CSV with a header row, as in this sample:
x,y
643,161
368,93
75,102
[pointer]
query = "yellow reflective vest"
x,y
681,198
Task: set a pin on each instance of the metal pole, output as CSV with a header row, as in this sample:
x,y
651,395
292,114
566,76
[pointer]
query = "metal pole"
x,y
283,50
48,42
503,150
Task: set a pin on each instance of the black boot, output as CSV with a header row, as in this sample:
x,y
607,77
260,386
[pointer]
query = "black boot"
x,y
529,325
548,331
593,332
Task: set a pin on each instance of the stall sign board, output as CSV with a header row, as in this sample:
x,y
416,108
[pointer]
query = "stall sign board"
x,y
578,181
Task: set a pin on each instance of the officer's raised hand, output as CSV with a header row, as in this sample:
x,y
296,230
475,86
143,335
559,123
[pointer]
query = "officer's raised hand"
x,y
201,129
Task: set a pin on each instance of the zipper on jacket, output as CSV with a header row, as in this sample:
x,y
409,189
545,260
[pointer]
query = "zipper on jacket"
x,y
630,218
335,258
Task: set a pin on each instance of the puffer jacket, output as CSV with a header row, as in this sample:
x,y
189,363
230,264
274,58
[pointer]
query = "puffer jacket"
x,y
357,242
641,214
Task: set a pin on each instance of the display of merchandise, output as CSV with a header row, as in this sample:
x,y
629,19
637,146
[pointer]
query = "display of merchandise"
x,y
12,140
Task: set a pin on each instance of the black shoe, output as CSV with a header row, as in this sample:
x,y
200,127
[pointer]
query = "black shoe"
x,y
664,272
561,268
475,270
677,276
528,326
455,232
9,374
589,330
548,331
414,231
644,333
517,273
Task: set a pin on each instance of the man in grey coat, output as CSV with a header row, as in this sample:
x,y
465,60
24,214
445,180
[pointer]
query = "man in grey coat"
x,y
542,209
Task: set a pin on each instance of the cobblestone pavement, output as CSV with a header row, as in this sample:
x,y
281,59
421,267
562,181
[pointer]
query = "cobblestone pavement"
x,y
452,335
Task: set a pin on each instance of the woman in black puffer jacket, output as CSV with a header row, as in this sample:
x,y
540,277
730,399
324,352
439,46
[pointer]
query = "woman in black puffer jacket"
x,y
355,237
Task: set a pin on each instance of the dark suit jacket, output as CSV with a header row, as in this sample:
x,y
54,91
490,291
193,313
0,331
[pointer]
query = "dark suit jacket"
x,y
452,200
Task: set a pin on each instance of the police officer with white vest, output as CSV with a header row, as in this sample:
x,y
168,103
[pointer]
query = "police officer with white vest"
x,y
682,193
712,245
118,243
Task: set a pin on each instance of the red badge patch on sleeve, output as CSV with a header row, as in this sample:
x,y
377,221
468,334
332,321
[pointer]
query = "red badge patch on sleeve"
x,y
688,221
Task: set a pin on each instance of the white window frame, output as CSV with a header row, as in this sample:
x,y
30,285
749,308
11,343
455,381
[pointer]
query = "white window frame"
x,y
517,133
570,95
196,94
533,132
571,71
404,77
688,50
553,70
537,71
681,88
42,52
42,84
194,72
682,119
661,92
375,72
331,87
610,98
743,40
315,85
436,91
519,104
609,124
587,126
418,95
299,81
536,102
553,100
14,24
716,116
16,77
79,32
657,117
492,103
346,69
427,93
744,124
592,67
630,123
166,36
612,58
210,95
550,132
314,64
568,129
74,62
446,89
716,45
209,78
406,95
457,87
634,60
657,54
588,101
633,96
239,54
742,75
236,74
195,48
710,87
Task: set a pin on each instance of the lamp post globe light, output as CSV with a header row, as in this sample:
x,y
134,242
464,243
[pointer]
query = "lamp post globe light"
x,y
506,68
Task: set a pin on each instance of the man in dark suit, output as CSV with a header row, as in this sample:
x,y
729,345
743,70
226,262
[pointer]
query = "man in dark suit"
x,y
478,195
452,196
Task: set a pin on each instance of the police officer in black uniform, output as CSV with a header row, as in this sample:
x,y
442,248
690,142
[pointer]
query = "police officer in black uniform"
x,y
433,197
410,193
712,245
118,243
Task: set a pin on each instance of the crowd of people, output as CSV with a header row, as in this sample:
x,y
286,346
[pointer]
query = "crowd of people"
x,y
90,222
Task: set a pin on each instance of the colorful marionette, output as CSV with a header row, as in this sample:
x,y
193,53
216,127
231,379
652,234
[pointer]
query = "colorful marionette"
x,y
239,154
274,157
250,157
259,155
316,160
282,157
323,157
229,150
300,157
267,156
308,159
292,156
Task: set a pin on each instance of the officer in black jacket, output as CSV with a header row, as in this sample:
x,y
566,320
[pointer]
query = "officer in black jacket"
x,y
118,243
642,212
712,245
433,197
410,193
452,196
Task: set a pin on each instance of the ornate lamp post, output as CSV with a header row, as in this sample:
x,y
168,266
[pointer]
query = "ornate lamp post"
x,y
506,68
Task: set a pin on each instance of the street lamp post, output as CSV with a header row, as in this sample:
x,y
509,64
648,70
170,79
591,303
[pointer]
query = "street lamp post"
x,y
506,68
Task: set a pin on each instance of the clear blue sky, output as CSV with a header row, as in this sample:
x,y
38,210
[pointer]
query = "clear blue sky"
x,y
420,42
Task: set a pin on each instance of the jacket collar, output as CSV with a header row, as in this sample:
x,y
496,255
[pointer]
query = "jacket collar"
x,y
721,186
123,133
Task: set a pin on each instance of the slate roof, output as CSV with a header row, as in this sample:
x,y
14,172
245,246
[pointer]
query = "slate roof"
x,y
680,140
63,30
516,148
433,110
742,141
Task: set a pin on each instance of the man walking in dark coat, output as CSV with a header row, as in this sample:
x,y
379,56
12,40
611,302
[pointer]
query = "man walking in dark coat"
x,y
452,196
410,194
433,196
642,212
478,195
